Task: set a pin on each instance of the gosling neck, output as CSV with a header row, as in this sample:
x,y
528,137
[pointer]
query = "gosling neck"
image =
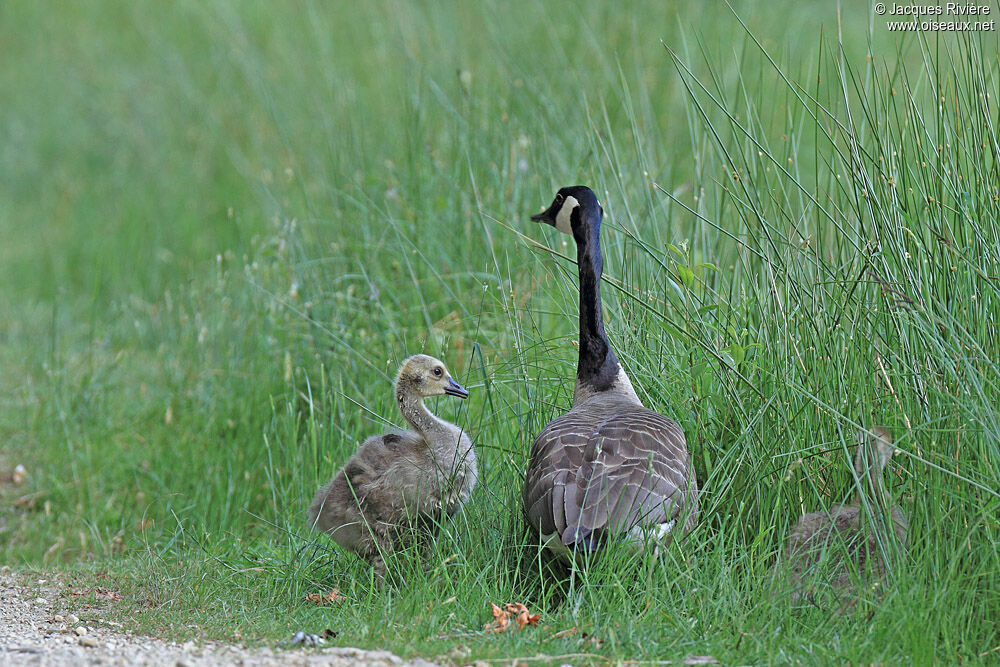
x,y
869,463
598,369
420,419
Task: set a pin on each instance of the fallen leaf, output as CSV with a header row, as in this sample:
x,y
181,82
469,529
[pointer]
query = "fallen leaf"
x,y
502,617
320,599
500,620
521,615
107,594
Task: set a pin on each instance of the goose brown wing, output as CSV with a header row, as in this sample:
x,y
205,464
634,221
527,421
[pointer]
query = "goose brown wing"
x,y
549,493
605,472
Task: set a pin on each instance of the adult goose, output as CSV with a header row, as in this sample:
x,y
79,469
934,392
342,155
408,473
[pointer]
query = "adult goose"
x,y
853,543
401,483
609,468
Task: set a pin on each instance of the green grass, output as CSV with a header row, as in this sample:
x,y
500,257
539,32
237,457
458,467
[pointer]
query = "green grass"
x,y
226,223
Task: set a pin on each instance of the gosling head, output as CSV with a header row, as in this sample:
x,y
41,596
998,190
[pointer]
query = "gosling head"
x,y
875,448
571,209
426,376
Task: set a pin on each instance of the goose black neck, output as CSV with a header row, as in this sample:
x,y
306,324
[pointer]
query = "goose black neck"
x,y
597,366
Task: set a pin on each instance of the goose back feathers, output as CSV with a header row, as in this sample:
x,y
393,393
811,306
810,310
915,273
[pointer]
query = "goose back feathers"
x,y
609,468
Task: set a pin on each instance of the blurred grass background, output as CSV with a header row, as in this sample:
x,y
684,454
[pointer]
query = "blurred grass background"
x,y
224,224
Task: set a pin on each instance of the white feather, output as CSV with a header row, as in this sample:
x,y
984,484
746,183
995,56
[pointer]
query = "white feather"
x,y
563,223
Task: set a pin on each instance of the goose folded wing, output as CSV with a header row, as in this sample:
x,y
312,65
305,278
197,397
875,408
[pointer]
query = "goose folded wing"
x,y
549,493
635,474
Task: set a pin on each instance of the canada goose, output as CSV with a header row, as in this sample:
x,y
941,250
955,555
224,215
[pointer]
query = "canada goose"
x,y
609,467
843,523
399,480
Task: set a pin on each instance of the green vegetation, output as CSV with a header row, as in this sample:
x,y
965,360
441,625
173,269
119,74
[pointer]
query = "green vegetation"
x,y
224,224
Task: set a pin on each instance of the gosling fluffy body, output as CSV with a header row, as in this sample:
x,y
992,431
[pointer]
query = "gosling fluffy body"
x,y
854,543
398,482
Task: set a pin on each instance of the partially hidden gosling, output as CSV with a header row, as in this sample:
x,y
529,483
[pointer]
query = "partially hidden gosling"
x,y
401,483
855,540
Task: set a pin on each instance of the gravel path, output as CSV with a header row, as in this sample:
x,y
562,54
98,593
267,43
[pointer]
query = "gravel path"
x,y
34,630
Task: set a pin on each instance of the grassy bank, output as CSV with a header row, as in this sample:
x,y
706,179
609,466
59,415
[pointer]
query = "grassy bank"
x,y
225,224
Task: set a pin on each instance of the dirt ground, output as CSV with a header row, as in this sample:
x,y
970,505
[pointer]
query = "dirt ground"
x,y
39,627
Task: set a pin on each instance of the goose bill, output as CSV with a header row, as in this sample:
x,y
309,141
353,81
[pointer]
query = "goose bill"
x,y
455,389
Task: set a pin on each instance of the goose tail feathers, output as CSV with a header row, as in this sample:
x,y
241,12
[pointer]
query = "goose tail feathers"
x,y
584,540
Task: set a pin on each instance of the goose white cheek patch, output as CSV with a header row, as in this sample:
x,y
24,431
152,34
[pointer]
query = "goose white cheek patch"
x,y
563,223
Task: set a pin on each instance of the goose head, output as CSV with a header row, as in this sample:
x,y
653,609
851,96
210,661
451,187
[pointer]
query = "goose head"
x,y
426,376
573,211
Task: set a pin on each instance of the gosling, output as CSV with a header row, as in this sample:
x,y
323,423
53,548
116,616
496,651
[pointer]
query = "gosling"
x,y
401,483
862,547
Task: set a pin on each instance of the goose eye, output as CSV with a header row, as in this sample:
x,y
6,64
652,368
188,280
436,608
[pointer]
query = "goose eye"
x,y
559,200
437,372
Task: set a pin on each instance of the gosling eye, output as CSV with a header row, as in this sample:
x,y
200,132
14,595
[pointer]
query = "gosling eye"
x,y
437,372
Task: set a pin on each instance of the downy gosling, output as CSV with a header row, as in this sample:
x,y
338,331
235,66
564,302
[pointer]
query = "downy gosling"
x,y
853,543
400,483
610,468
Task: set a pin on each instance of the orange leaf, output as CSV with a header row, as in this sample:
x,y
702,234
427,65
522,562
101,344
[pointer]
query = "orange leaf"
x,y
500,619
522,617
519,612
320,599
498,613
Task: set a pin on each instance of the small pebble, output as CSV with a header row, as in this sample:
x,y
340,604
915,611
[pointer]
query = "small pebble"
x,y
306,639
72,619
41,601
89,642
459,653
80,630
